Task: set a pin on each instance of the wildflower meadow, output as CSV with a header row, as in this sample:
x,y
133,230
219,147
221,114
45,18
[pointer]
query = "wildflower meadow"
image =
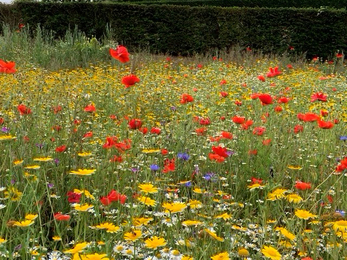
x,y
136,156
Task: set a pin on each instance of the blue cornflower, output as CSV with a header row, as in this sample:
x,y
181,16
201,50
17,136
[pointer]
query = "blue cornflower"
x,y
183,156
154,167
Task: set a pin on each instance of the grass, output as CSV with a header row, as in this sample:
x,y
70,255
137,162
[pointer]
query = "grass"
x,y
82,179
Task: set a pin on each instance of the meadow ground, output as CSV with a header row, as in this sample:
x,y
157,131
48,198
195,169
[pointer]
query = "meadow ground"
x,y
173,158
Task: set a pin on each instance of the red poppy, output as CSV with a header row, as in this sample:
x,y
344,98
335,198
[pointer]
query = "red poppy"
x,y
255,95
223,82
113,196
223,94
324,113
1,120
306,258
204,121
57,128
265,99
23,110
266,141
120,53
298,129
57,109
342,165
259,130
319,96
61,217
290,66
253,152
110,142
239,119
143,130
130,80
88,135
60,149
308,117
221,151
238,103
216,157
300,185
135,123
164,151
116,158
325,124
7,67
261,78
90,108
169,165
186,98
283,100
255,180
278,109
226,135
273,72
200,131
247,124
155,130
339,55
73,197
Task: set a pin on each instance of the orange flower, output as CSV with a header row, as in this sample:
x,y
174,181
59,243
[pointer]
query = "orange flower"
x,y
89,108
7,67
120,53
300,185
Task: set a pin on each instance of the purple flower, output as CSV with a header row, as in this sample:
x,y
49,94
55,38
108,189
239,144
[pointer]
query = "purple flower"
x,y
50,185
56,161
183,156
154,167
40,146
343,137
5,129
135,169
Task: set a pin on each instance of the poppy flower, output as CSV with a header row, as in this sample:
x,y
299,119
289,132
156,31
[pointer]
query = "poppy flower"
x,y
113,196
130,80
155,130
278,109
169,165
90,108
259,130
23,110
1,120
283,100
223,94
319,96
60,149
226,135
253,152
308,117
255,180
135,123
273,72
216,157
339,55
88,135
298,129
247,124
110,142
324,113
61,217
221,151
57,109
254,95
186,98
200,131
239,119
73,197
261,78
342,165
143,130
223,82
7,67
120,53
265,99
238,103
266,141
325,124
300,185
204,121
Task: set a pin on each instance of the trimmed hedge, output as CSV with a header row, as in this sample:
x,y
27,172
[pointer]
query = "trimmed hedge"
x,y
187,30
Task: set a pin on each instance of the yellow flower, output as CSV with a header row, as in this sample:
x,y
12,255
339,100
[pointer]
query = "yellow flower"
x,y
295,198
224,216
84,207
191,223
276,194
294,167
18,162
110,227
185,257
32,167
340,225
286,233
174,207
6,137
198,190
24,223
243,252
84,154
133,235
255,186
147,201
95,256
141,221
2,240
13,194
195,204
221,256
43,159
304,214
56,238
77,248
83,172
85,192
271,253
155,242
31,216
148,188
151,150
214,235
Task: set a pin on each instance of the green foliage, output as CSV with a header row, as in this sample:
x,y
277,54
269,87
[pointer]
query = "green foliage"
x,y
184,30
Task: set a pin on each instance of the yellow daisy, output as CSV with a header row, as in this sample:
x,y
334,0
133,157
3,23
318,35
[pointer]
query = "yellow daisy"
x,y
148,188
155,242
83,172
133,235
304,214
174,207
271,253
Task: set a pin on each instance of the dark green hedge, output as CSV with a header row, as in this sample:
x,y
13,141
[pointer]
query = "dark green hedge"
x,y
188,30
